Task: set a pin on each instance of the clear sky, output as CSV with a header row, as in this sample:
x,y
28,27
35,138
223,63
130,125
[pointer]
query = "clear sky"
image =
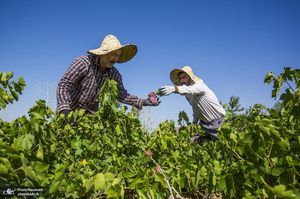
x,y
230,44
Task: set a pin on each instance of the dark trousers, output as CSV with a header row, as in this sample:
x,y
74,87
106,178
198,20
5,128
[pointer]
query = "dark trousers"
x,y
211,128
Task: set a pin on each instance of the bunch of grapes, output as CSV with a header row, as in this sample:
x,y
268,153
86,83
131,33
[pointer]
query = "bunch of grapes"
x,y
153,96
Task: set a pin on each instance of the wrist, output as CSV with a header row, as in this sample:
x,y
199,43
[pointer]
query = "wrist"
x,y
176,89
65,111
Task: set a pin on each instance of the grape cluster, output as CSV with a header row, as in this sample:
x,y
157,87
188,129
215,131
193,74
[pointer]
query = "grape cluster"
x,y
152,97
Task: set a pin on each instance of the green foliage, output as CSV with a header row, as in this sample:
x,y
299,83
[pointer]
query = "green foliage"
x,y
237,121
183,119
9,91
108,153
234,106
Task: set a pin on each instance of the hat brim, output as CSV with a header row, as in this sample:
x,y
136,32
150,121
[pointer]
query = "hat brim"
x,y
174,76
175,79
128,52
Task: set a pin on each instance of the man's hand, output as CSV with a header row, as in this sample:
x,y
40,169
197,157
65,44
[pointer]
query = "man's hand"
x,y
147,102
66,113
167,90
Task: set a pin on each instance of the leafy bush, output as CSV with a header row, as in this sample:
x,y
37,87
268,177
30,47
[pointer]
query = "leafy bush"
x,y
109,155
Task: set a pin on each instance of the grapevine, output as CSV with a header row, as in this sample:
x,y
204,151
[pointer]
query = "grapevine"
x,y
107,154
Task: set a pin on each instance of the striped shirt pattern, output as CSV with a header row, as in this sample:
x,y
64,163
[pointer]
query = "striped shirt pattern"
x,y
81,85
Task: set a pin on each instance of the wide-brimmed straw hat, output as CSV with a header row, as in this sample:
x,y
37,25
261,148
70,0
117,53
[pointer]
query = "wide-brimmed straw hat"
x,y
174,75
111,43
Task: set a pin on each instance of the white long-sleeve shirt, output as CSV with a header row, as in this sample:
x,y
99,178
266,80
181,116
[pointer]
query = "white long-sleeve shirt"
x,y
204,102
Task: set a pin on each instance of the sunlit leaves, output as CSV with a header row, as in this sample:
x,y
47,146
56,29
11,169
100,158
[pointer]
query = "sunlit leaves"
x,y
10,90
28,169
257,155
89,183
23,142
99,182
280,190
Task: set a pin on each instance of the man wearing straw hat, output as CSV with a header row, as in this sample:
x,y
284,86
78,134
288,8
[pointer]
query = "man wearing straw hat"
x,y
206,107
80,86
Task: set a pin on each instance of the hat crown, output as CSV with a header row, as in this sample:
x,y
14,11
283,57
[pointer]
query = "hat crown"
x,y
110,42
188,70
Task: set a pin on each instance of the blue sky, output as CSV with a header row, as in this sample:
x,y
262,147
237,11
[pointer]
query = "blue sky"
x,y
230,44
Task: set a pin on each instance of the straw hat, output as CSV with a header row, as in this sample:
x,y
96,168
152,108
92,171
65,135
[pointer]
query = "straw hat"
x,y
111,43
174,75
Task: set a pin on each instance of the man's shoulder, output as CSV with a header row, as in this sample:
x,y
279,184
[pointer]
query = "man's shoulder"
x,y
198,83
85,58
82,63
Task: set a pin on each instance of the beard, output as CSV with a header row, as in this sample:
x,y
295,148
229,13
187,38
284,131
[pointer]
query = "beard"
x,y
104,62
110,64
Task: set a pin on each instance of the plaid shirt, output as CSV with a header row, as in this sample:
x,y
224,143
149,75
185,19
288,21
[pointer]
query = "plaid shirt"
x,y
81,86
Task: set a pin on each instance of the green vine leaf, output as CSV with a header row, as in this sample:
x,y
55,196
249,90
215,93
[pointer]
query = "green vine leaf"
x,y
99,182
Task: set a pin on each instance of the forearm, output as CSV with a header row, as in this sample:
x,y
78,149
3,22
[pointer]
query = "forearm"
x,y
193,89
131,100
